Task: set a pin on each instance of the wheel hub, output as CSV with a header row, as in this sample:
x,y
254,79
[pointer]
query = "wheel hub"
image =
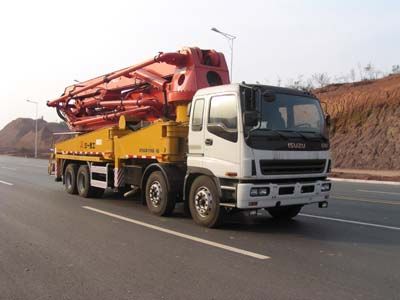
x,y
155,193
203,201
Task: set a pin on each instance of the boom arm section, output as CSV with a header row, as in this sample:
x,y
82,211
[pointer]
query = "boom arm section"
x,y
146,91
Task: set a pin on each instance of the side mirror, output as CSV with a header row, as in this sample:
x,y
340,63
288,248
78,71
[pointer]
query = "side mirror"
x,y
251,118
328,121
327,126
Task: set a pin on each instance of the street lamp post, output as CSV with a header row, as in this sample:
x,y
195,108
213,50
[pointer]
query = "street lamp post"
x,y
230,39
36,126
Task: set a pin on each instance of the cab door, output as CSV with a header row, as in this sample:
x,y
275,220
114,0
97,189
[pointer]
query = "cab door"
x,y
221,137
196,133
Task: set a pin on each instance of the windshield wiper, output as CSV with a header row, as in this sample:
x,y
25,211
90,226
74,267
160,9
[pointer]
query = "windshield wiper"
x,y
277,131
316,134
268,130
297,132
302,133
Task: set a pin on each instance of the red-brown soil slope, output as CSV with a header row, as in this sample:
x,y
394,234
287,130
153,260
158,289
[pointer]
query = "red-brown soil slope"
x,y
365,123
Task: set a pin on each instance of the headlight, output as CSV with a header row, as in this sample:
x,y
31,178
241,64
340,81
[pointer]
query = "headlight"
x,y
254,192
325,187
262,191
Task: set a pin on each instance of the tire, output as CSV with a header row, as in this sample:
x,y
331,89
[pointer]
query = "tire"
x,y
204,203
159,200
70,179
83,184
284,212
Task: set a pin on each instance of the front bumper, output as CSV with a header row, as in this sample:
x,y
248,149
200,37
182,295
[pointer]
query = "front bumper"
x,y
294,194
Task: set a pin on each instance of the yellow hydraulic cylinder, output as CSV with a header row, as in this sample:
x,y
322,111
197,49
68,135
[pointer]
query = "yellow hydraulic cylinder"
x,y
181,113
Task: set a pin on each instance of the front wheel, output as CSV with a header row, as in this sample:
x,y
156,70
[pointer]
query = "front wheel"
x,y
204,203
284,212
158,198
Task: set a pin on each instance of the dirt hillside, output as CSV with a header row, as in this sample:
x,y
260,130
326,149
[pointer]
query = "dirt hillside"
x,y
365,123
18,136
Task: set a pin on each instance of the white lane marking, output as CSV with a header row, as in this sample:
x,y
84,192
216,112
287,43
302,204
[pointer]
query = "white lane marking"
x,y
181,235
376,201
351,222
379,192
6,183
364,181
7,168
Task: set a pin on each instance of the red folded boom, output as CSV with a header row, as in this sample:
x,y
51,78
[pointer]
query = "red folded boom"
x,y
145,91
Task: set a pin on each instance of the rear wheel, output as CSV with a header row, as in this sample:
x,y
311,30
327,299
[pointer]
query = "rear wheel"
x,y
70,179
83,184
158,198
284,212
204,203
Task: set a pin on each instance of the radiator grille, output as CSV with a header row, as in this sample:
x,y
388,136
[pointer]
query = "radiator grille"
x,y
293,166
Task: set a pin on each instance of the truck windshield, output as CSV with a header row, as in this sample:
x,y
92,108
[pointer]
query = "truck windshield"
x,y
291,113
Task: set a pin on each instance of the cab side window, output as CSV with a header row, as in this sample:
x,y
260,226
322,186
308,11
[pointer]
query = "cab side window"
x,y
197,118
222,117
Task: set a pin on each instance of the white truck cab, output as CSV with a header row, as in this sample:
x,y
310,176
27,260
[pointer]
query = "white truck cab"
x,y
253,147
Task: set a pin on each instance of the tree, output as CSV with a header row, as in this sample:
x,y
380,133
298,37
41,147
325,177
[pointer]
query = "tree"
x,y
320,79
352,75
300,84
396,69
278,81
371,72
361,72
341,79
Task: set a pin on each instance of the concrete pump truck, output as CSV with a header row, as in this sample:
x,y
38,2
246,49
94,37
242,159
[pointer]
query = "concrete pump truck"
x,y
174,129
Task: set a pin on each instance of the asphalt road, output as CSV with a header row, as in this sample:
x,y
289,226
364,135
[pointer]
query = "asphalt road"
x,y
59,246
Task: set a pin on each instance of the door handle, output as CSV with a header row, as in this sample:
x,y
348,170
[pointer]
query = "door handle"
x,y
208,142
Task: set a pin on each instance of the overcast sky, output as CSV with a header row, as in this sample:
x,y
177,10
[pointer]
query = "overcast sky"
x,y
45,45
